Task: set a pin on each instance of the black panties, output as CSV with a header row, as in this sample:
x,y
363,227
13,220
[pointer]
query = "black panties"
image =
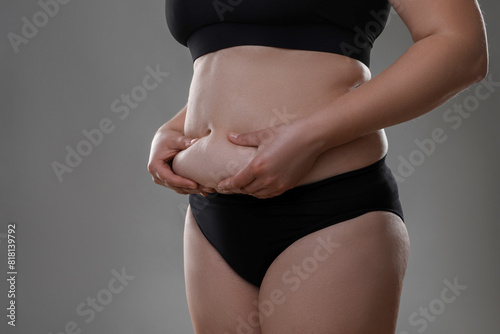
x,y
250,232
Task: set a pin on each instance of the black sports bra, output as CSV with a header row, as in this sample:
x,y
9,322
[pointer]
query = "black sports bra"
x,y
346,27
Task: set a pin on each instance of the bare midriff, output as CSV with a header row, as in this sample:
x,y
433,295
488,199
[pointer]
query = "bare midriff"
x,y
247,88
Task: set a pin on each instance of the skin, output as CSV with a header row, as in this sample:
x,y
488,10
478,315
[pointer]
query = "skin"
x,y
337,127
454,28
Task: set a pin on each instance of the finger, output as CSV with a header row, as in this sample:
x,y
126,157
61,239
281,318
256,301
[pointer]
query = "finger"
x,y
253,138
166,176
250,188
198,189
208,189
180,190
238,180
184,191
181,142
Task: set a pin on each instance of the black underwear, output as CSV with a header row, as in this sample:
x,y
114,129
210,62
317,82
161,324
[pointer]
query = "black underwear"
x,y
250,232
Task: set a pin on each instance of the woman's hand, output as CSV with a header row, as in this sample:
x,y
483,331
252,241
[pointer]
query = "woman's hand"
x,y
166,144
284,155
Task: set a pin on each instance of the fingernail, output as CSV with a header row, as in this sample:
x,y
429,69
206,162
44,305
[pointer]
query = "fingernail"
x,y
192,141
233,135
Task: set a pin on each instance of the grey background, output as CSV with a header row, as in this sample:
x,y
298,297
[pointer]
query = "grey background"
x,y
107,214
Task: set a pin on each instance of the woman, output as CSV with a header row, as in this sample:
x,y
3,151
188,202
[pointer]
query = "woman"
x,y
294,224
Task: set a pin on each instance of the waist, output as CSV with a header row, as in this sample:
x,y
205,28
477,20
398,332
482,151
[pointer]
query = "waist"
x,y
247,88
213,158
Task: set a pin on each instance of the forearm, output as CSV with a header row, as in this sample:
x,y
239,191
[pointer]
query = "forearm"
x,y
432,70
176,123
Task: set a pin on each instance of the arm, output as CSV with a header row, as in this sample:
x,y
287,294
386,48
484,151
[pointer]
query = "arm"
x,y
449,54
176,123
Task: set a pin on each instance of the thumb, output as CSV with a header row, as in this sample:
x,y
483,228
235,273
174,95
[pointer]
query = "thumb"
x,y
253,138
185,142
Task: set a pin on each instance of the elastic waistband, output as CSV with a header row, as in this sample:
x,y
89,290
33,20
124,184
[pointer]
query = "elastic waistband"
x,y
302,36
354,174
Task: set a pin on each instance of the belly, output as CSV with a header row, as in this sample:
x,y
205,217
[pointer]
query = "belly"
x,y
247,88
211,159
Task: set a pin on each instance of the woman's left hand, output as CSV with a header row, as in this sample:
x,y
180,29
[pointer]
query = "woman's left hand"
x,y
285,153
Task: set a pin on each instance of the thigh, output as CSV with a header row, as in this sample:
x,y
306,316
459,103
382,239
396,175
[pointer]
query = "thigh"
x,y
219,301
345,278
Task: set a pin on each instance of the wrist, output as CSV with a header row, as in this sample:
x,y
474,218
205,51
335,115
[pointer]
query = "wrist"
x,y
310,135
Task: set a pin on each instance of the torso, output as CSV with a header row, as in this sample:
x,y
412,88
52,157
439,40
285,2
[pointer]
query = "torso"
x,y
246,88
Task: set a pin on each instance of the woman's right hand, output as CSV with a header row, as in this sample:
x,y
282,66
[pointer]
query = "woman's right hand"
x,y
166,144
